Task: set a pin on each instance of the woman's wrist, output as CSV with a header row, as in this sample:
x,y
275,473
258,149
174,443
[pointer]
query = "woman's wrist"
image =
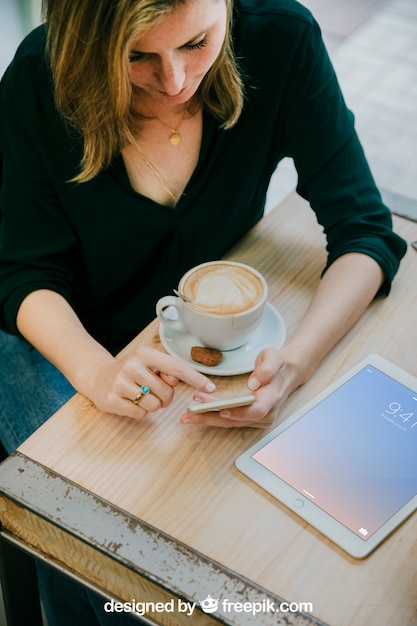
x,y
90,370
299,363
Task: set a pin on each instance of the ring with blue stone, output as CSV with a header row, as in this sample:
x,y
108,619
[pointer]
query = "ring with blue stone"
x,y
144,390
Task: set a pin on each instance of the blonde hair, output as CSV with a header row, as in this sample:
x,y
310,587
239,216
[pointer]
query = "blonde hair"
x,y
88,49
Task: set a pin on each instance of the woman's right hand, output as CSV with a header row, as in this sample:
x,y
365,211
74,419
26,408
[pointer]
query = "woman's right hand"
x,y
116,382
50,324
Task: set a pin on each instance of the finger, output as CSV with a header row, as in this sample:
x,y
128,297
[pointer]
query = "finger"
x,y
141,374
168,379
149,402
138,407
215,419
123,408
205,397
160,394
136,411
266,368
178,369
249,413
258,413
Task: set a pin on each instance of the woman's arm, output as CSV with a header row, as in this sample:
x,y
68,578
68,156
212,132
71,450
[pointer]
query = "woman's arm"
x,y
343,294
49,323
345,291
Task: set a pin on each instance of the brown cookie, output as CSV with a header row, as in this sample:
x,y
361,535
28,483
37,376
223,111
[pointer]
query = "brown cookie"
x,y
206,356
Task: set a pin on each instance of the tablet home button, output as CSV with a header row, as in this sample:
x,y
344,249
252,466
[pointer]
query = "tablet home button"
x,y
298,503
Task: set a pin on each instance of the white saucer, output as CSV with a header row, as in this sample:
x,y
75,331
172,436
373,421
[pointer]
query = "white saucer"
x,y
270,333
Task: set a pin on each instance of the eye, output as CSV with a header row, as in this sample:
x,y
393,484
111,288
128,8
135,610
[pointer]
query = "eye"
x,y
141,56
197,46
138,56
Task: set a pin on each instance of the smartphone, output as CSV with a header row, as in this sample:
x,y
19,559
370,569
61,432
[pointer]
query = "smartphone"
x,y
218,405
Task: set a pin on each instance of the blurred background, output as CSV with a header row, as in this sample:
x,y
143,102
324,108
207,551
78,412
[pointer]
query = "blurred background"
x,y
17,17
372,44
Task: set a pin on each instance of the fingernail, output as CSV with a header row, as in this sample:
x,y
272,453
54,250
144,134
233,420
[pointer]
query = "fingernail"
x,y
210,387
225,413
254,384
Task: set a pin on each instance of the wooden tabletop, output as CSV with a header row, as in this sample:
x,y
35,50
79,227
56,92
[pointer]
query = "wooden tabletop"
x,y
176,486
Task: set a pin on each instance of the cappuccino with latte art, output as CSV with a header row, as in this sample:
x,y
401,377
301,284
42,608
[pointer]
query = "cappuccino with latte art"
x,y
223,304
223,289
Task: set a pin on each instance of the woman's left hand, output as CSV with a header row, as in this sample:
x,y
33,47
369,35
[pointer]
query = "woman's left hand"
x,y
272,381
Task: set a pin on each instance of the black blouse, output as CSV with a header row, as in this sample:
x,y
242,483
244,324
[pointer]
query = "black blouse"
x,y
112,252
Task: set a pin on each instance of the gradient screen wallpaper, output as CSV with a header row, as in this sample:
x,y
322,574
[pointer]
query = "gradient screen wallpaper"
x,y
355,453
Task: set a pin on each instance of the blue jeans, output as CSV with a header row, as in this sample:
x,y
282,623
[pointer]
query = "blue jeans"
x,y
31,390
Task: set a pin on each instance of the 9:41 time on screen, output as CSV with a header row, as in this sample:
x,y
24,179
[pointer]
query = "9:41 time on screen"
x,y
395,409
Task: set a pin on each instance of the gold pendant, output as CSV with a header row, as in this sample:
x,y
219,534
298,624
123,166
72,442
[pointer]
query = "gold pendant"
x,y
175,138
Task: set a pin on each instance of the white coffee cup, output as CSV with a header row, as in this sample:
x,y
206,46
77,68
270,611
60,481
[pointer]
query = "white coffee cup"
x,y
228,300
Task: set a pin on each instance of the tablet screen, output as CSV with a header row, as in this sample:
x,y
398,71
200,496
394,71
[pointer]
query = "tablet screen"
x,y
354,454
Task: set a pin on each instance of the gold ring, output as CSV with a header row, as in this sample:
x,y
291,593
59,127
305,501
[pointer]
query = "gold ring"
x,y
144,390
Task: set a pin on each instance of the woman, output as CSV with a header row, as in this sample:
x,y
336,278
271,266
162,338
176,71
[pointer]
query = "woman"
x,y
115,188
141,136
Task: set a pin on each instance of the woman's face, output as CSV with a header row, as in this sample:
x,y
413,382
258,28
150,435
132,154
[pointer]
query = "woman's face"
x,y
168,63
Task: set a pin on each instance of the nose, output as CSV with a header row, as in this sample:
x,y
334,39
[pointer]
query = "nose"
x,y
171,76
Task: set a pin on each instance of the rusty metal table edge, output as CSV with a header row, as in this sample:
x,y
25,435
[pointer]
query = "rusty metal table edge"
x,y
144,549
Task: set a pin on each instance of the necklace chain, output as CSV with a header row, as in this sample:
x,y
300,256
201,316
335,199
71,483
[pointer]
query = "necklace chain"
x,y
174,195
175,137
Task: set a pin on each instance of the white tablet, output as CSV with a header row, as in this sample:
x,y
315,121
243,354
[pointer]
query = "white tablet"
x,y
347,461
